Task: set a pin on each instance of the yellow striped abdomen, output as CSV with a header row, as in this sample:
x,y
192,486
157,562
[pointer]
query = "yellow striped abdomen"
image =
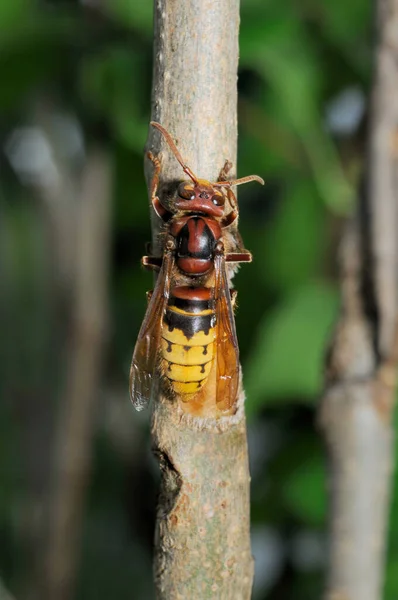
x,y
188,337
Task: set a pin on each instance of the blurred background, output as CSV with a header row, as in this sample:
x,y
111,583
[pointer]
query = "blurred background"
x,y
74,111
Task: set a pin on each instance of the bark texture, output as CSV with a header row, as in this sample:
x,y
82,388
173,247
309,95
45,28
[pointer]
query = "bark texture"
x,y
202,545
359,397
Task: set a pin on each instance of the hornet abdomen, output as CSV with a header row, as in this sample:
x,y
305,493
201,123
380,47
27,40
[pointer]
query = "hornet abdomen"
x,y
188,337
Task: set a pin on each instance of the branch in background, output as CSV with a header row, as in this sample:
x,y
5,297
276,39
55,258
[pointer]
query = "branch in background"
x,y
359,396
74,196
77,411
4,593
202,545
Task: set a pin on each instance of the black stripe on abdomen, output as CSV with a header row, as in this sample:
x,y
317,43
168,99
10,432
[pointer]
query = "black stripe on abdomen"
x,y
189,305
189,323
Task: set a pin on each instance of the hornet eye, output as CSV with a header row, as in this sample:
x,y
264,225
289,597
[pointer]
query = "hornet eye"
x,y
218,200
186,191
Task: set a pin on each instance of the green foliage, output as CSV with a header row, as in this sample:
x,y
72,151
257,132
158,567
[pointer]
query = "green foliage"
x,y
137,15
391,585
297,229
109,90
11,12
279,366
304,492
280,49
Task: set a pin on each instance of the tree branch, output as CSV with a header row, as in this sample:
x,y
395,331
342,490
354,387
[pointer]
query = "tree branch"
x,y
202,546
357,405
76,417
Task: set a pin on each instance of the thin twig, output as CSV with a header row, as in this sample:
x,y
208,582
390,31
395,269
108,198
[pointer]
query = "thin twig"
x,y
202,545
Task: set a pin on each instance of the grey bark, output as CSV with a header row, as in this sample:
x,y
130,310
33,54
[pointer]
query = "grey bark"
x,y
202,545
359,396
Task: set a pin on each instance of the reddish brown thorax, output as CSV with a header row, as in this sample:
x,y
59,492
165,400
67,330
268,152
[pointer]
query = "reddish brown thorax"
x,y
196,237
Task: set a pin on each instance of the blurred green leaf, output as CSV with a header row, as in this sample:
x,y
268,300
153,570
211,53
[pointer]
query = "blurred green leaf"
x,y
343,21
30,27
12,12
304,492
288,248
287,360
108,88
393,523
281,52
391,578
138,15
33,51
